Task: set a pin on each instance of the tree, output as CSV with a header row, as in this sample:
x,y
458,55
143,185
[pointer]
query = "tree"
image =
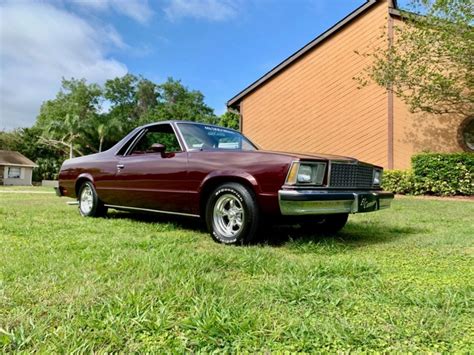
x,y
75,123
146,96
177,102
66,119
120,91
430,64
108,130
122,94
230,120
10,140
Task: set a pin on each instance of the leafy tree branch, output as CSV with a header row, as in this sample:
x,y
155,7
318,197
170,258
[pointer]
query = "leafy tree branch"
x,y
430,63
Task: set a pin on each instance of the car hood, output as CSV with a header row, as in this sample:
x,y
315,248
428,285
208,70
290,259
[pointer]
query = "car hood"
x,y
316,156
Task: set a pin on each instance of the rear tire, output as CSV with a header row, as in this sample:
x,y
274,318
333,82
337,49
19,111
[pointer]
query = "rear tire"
x,y
232,215
328,224
89,203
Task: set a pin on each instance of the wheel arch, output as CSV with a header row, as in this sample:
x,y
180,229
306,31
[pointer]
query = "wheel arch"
x,y
80,180
211,182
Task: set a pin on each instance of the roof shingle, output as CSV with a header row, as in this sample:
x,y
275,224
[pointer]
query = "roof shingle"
x,y
9,157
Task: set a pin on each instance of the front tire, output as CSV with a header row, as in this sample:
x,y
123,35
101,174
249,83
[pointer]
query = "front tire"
x,y
232,214
89,203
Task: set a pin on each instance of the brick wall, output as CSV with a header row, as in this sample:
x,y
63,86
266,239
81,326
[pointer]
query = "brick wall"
x,y
314,105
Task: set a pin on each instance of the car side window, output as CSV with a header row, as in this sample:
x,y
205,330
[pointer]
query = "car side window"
x,y
160,134
127,145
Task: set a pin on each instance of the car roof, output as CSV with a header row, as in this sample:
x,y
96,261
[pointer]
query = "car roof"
x,y
183,121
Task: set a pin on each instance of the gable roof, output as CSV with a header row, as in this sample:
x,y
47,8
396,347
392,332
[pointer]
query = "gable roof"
x,y
235,101
9,157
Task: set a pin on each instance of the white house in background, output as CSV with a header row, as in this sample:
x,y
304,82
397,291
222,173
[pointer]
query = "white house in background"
x,y
15,168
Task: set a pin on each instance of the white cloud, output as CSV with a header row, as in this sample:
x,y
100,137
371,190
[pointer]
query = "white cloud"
x,y
39,45
139,10
213,10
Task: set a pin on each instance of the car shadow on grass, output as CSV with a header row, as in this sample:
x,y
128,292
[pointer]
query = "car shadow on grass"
x,y
182,222
354,235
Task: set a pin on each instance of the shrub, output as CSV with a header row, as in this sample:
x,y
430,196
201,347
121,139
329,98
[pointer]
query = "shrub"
x,y
48,169
434,173
398,181
444,174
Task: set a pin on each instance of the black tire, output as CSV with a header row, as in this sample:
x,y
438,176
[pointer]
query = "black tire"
x,y
328,224
228,205
89,203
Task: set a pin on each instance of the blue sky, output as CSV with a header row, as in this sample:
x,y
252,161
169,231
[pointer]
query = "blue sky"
x,y
215,46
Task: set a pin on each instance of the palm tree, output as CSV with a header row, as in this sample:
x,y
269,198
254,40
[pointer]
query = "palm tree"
x,y
65,132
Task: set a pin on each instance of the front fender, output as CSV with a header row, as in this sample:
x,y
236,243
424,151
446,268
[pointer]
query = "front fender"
x,y
230,175
267,201
83,177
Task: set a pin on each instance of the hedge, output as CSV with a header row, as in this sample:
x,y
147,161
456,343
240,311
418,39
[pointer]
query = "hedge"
x,y
434,174
48,169
398,181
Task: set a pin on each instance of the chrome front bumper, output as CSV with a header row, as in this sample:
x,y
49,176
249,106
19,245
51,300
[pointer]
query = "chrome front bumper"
x,y
311,202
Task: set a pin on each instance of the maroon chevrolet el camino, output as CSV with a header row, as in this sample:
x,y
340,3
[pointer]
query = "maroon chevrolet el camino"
x,y
201,170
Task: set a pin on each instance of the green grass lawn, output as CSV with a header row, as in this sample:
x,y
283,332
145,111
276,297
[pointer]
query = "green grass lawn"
x,y
34,189
395,280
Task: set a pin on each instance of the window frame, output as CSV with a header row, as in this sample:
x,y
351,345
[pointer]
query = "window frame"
x,y
14,177
143,132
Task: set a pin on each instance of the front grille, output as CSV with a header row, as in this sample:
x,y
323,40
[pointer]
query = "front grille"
x,y
351,175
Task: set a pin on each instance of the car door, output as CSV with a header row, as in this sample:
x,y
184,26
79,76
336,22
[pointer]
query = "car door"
x,y
150,179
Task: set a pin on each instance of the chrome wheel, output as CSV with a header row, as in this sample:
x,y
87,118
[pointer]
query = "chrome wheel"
x,y
86,200
228,215
232,214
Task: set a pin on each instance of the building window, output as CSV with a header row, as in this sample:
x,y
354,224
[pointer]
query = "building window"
x,y
14,173
466,134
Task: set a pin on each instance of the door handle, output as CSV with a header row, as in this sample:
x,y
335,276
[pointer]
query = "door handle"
x,y
120,166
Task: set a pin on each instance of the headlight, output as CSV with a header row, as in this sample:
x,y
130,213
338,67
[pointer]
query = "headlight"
x,y
377,177
306,173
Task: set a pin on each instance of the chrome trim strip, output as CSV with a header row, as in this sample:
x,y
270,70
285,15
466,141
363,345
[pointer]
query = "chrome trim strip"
x,y
151,210
134,142
328,181
324,188
180,136
353,162
124,140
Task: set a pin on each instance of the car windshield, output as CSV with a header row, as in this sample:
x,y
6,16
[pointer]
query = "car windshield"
x,y
200,136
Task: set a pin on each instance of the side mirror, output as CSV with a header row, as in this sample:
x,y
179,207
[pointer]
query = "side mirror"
x,y
158,148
